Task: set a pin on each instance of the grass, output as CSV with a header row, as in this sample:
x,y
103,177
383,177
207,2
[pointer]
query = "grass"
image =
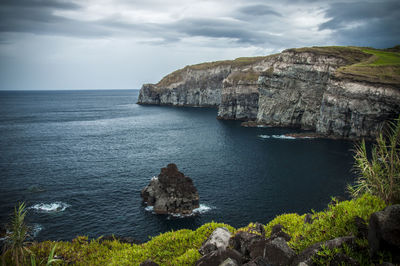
x,y
177,76
380,174
382,66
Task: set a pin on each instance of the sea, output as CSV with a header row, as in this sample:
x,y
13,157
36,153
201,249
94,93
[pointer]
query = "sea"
x,y
79,159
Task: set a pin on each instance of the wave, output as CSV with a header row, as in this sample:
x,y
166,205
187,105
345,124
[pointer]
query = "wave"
x,y
276,137
57,206
200,210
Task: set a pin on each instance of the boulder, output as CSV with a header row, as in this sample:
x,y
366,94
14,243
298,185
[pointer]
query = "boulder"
x,y
384,232
215,258
305,257
219,239
277,252
277,231
229,262
171,192
242,242
259,261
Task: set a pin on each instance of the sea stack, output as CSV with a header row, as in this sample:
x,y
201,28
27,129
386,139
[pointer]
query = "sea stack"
x,y
171,192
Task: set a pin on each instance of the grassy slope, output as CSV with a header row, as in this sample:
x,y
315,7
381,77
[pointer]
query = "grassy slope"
x,y
362,64
381,67
180,247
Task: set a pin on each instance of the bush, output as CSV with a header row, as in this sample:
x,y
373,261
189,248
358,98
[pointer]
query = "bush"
x,y
16,237
379,176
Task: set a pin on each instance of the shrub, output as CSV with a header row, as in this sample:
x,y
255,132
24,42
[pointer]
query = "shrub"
x,y
16,237
380,175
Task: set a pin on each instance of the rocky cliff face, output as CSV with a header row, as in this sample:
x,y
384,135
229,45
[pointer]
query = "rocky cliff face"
x,y
230,85
187,87
305,88
301,89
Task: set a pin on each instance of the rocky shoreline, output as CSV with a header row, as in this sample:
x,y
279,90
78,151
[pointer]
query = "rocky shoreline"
x,y
305,88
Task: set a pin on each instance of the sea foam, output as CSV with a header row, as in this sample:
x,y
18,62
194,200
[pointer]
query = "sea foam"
x,y
57,206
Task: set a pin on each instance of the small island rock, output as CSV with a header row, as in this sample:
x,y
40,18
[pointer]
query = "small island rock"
x,y
171,192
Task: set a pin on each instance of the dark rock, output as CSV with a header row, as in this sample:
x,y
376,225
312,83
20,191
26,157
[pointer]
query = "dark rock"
x,y
229,262
385,264
259,261
384,232
257,248
242,242
306,255
308,219
219,239
259,228
277,252
277,231
122,239
342,259
362,227
148,263
215,258
171,192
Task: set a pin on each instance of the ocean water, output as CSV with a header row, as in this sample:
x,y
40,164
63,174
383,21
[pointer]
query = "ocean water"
x,y
79,160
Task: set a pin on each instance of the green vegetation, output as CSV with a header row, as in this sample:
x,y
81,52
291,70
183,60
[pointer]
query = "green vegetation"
x,y
15,244
382,66
181,247
380,175
350,55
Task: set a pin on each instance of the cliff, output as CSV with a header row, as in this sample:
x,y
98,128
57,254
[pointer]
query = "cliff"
x,y
346,92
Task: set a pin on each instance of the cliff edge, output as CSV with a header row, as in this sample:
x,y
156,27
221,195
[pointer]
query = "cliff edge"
x,y
345,92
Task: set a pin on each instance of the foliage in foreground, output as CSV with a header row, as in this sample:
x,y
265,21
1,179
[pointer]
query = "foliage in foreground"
x,y
15,244
380,175
181,247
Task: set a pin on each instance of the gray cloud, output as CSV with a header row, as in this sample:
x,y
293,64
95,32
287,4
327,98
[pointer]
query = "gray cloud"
x,y
365,23
258,10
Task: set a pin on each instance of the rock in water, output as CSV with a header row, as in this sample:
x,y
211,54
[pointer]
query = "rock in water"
x,y
171,192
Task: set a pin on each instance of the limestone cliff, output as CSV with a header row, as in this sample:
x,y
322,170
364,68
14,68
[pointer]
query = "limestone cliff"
x,y
335,91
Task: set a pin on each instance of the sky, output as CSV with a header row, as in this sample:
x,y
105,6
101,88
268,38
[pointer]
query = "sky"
x,y
121,44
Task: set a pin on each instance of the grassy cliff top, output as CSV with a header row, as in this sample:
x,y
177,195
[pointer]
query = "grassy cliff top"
x,y
361,64
238,62
382,66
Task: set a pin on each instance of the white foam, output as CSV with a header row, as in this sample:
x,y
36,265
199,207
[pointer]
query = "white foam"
x,y
57,206
282,137
149,208
276,137
200,210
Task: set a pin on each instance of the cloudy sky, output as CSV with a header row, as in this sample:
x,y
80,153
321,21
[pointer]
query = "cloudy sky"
x,y
120,44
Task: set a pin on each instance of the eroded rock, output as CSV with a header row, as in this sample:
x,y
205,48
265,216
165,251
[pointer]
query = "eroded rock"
x,y
171,192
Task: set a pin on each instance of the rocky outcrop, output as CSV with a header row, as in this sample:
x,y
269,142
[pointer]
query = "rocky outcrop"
x,y
308,88
384,232
219,239
171,192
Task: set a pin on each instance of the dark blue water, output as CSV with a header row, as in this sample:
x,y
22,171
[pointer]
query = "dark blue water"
x,y
87,155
